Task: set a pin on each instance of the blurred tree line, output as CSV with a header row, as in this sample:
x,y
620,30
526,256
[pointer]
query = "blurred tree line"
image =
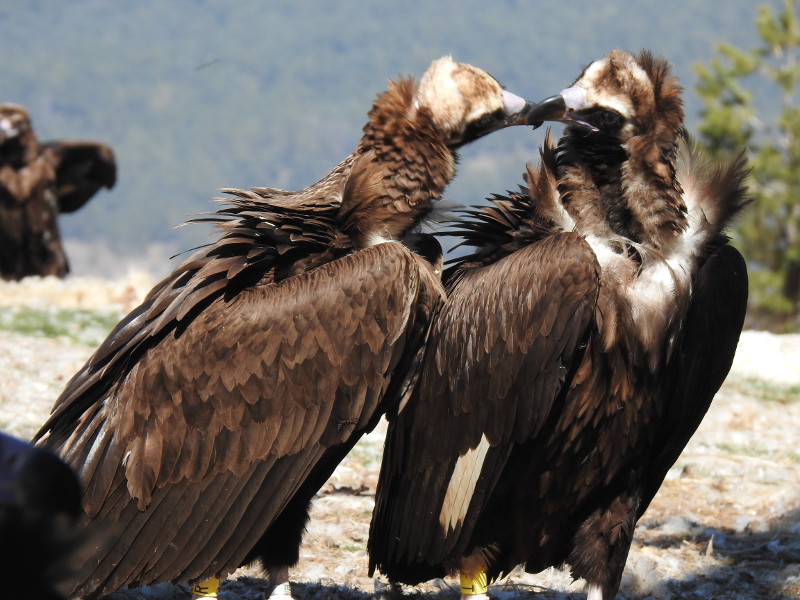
x,y
196,95
739,89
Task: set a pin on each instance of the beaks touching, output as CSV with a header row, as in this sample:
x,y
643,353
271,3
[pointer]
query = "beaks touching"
x,y
563,108
517,110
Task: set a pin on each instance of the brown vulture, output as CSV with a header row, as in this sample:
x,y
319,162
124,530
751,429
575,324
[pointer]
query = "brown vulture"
x,y
37,182
211,415
580,345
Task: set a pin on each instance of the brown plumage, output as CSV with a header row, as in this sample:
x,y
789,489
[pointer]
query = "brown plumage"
x,y
579,348
37,183
205,423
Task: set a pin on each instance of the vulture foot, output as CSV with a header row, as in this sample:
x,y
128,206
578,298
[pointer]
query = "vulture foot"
x,y
387,590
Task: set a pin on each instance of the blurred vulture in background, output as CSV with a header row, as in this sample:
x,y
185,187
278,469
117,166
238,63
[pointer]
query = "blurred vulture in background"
x,y
206,422
37,182
40,502
578,350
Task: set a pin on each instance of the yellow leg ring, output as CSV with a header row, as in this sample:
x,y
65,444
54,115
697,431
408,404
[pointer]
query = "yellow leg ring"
x,y
208,588
474,585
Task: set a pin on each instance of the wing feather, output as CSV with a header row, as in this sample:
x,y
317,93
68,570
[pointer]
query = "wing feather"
x,y
530,308
710,335
82,168
258,386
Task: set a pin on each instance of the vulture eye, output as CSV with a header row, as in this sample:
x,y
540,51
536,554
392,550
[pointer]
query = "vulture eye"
x,y
484,124
610,118
487,120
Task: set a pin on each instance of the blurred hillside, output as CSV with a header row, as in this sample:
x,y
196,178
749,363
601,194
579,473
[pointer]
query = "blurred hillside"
x,y
196,95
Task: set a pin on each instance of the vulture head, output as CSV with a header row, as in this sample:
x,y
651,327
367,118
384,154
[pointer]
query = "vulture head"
x,y
17,139
622,97
465,103
624,121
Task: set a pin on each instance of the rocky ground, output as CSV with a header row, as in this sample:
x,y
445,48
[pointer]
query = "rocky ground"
x,y
725,525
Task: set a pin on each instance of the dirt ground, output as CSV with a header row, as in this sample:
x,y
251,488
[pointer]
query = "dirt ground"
x,y
725,524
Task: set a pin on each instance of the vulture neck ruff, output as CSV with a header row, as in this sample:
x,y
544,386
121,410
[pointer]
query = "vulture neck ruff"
x,y
403,166
620,186
624,174
638,194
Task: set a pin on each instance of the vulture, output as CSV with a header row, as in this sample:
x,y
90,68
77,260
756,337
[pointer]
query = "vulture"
x,y
39,539
205,423
579,347
37,183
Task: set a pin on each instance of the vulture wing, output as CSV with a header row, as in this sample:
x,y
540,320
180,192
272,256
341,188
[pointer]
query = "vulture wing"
x,y
82,168
509,332
704,357
205,435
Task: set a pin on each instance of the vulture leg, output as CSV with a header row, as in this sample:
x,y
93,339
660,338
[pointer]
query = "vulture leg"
x,y
601,545
279,548
474,582
593,592
279,578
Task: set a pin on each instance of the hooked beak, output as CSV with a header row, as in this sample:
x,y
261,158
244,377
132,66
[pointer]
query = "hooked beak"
x,y
562,108
517,110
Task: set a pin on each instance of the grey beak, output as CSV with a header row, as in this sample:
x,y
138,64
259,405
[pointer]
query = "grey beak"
x,y
563,108
527,116
553,108
516,110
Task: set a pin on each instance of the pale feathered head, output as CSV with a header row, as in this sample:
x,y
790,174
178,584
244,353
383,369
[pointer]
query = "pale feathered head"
x,y
14,122
18,145
622,96
465,102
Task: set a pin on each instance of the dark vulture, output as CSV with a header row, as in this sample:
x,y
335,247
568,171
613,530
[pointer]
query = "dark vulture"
x,y
37,183
580,345
211,415
39,503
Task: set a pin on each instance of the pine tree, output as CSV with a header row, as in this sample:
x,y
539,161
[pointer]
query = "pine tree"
x,y
739,89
